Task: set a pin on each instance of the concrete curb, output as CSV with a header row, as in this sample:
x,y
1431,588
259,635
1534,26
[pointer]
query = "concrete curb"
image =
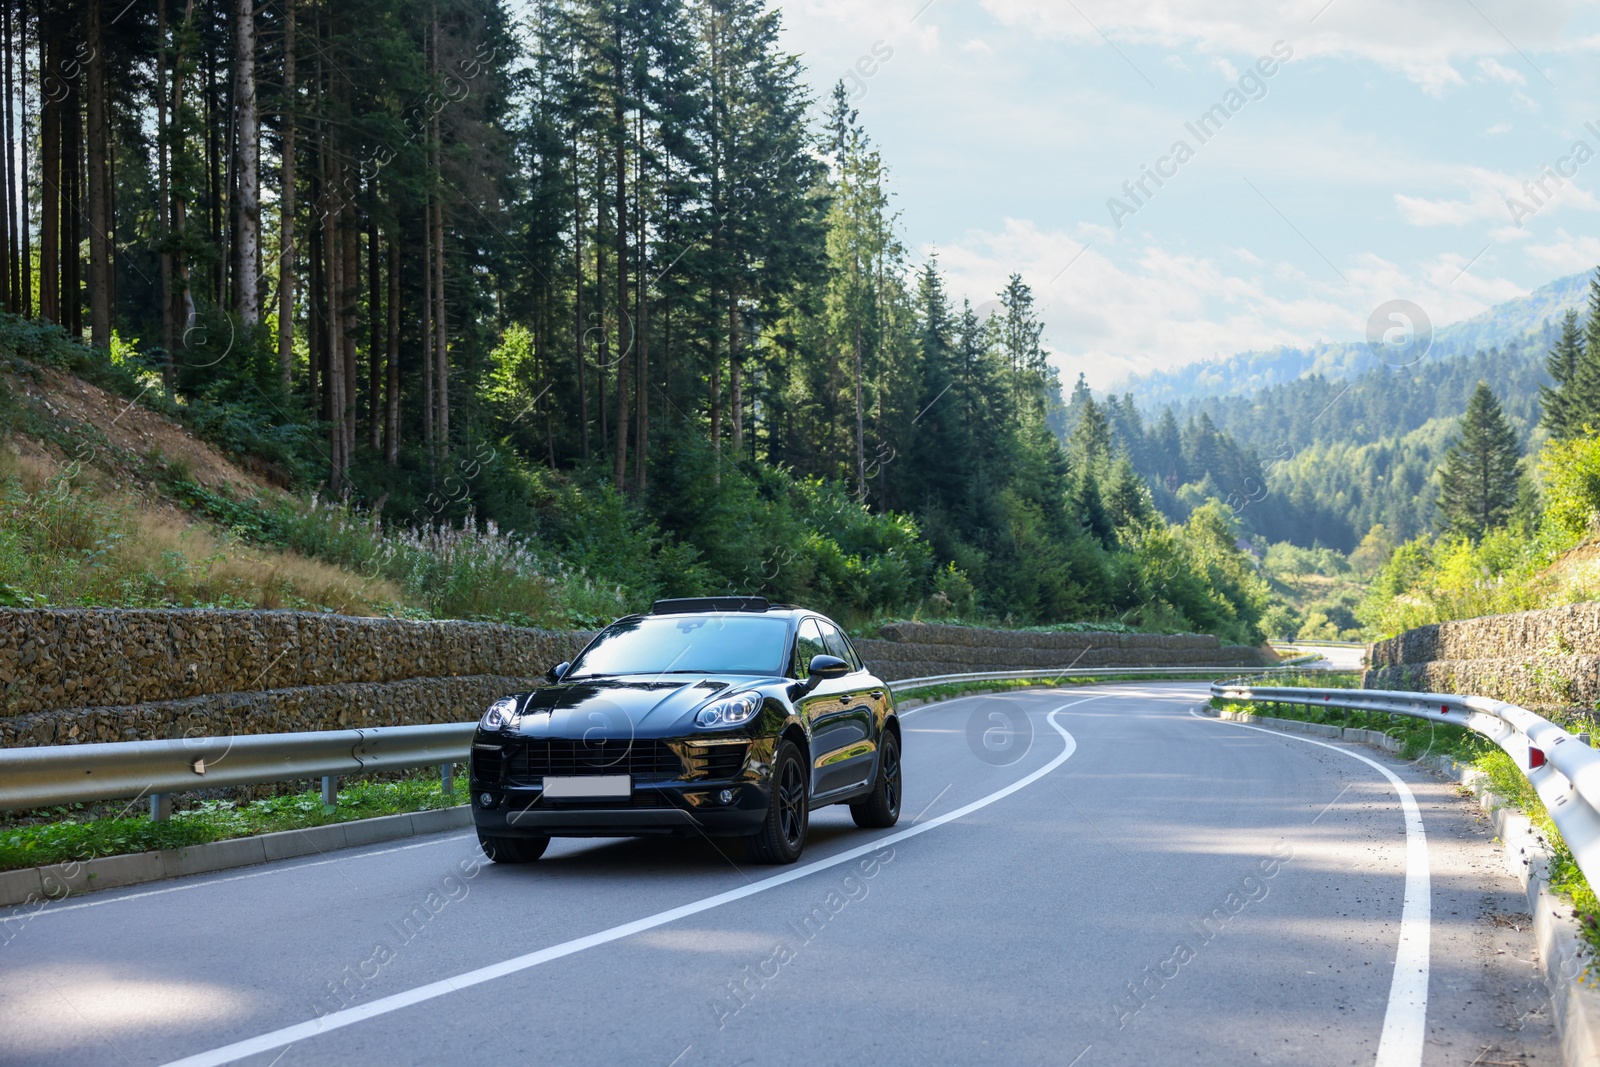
x,y
1563,954
60,880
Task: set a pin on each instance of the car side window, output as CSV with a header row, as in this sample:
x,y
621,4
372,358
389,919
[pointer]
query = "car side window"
x,y
839,645
807,643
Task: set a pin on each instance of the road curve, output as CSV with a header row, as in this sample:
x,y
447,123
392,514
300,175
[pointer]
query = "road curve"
x,y
1082,877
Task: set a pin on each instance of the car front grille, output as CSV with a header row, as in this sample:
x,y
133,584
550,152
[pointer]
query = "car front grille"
x,y
722,759
643,760
645,798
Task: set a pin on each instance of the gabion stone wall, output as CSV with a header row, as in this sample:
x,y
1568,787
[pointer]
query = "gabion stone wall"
x,y
78,675
1542,660
110,675
918,650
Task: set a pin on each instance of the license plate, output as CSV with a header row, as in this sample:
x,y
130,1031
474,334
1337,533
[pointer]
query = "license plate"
x,y
600,785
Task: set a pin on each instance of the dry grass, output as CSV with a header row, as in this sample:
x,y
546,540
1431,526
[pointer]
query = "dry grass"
x,y
67,538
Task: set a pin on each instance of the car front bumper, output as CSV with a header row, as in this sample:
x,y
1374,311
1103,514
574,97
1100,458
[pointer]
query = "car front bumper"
x,y
521,811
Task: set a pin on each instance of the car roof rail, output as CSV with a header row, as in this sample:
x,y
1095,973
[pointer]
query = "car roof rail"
x,y
710,603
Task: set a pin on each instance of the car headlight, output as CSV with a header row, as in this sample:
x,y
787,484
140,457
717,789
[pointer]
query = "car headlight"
x,y
729,711
500,714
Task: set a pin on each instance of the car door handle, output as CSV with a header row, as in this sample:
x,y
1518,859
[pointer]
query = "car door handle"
x,y
877,694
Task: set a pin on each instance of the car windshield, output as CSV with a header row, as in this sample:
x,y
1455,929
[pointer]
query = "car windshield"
x,y
687,644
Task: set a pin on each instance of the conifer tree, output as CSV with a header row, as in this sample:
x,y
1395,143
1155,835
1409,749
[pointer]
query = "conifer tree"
x,y
1478,480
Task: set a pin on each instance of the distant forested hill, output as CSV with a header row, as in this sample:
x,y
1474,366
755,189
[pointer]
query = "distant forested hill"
x,y
1324,457
1507,324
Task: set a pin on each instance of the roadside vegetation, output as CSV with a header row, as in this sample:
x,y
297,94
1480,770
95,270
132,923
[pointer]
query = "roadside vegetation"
x,y
116,492
81,833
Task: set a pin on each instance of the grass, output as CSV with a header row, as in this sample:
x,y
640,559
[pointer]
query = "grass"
x,y
1420,738
36,844
68,539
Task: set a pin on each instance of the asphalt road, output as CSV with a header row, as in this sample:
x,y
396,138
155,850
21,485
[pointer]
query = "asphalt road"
x,y
1082,877
1336,657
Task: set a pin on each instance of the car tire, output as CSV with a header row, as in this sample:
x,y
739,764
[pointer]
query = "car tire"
x,y
881,807
513,849
782,836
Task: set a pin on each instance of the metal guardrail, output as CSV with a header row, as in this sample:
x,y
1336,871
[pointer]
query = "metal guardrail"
x,y
906,685
71,774
1562,768
46,776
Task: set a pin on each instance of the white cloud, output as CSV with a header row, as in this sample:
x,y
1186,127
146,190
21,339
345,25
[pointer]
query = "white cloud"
x,y
1420,38
1132,310
1228,71
1492,68
1566,254
1497,129
1485,198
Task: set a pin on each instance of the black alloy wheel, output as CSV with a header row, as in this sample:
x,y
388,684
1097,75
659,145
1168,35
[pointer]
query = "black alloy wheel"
x,y
782,836
881,807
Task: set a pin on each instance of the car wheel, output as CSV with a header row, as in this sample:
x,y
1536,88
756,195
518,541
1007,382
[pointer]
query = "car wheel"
x,y
782,836
513,849
881,807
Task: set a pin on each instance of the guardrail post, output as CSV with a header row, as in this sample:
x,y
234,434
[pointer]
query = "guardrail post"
x,y
160,807
447,778
330,790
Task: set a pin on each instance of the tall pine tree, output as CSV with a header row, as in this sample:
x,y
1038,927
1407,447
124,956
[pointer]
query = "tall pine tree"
x,y
1479,477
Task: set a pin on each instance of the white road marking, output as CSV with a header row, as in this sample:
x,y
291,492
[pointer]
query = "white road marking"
x,y
1405,1020
385,1005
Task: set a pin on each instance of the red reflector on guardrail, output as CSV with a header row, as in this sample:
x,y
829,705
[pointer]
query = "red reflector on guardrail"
x,y
1444,709
1535,758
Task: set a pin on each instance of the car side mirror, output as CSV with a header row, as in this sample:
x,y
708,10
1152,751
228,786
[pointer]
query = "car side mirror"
x,y
559,671
828,667
821,667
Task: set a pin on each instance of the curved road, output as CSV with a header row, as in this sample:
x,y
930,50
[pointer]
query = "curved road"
x,y
1082,877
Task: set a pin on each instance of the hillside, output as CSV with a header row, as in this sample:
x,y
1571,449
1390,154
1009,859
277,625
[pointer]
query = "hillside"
x,y
1513,323
103,500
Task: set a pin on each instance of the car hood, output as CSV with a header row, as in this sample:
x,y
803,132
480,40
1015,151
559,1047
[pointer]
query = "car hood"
x,y
622,706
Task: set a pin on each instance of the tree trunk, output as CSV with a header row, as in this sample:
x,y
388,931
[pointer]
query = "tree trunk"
x,y
735,378
861,439
641,402
429,435
349,287
247,166
50,169
286,250
603,356
375,333
441,342
72,207
182,308
580,363
333,370
11,221
99,191
163,179
625,341
27,138
391,435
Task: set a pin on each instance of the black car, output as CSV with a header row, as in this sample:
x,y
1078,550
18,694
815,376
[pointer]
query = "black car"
x,y
721,716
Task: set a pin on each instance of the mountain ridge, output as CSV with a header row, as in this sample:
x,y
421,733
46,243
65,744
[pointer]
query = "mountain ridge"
x,y
1247,373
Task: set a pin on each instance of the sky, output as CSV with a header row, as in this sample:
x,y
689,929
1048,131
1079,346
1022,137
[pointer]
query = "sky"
x,y
1358,152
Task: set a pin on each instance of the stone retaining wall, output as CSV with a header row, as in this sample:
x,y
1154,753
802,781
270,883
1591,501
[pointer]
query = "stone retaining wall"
x,y
918,650
109,675
79,675
1542,660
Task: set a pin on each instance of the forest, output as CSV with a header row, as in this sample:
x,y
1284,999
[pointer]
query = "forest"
x,y
603,279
